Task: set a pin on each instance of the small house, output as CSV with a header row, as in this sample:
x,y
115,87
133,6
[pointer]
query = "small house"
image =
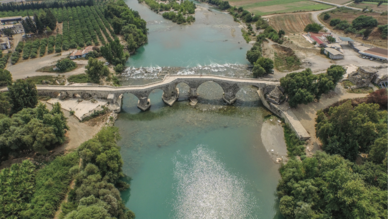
x,y
333,53
81,53
76,54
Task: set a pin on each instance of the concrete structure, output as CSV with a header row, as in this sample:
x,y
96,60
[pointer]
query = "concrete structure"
x,y
362,77
230,87
381,78
288,116
169,84
333,53
81,53
4,43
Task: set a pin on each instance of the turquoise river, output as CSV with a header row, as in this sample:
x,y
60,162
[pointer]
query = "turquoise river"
x,y
207,161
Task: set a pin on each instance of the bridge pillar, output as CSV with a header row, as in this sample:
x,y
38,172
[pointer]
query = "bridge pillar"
x,y
144,103
193,96
230,91
170,94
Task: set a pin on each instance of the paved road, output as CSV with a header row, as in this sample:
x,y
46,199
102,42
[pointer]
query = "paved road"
x,y
167,80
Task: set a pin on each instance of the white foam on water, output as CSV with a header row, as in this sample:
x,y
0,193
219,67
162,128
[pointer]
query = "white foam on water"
x,y
205,189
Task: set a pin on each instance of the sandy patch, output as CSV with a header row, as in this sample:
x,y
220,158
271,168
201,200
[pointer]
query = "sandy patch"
x,y
272,135
81,109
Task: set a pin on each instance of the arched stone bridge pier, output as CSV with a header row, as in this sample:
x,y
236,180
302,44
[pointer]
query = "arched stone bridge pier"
x,y
168,85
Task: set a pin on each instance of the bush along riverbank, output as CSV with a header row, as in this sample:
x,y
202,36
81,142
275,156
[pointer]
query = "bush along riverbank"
x,y
35,190
179,12
348,179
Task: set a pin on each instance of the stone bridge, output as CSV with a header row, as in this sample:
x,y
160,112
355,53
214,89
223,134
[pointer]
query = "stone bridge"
x,y
168,85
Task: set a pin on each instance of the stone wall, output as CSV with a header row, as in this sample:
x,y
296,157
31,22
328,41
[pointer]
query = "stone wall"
x,y
288,116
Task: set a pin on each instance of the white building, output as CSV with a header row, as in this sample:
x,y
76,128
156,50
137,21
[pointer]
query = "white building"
x,y
333,53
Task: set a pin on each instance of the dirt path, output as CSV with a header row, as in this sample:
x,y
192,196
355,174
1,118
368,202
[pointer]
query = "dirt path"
x,y
308,113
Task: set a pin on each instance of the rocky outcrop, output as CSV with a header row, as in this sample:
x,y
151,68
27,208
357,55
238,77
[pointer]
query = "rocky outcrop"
x,y
362,77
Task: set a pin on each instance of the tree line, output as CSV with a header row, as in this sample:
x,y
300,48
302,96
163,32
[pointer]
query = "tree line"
x,y
331,184
304,87
12,6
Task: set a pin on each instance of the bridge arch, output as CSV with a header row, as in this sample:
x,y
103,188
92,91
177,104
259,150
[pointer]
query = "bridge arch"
x,y
129,103
210,92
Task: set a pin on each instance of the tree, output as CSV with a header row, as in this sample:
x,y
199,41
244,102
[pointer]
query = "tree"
x,y
380,2
336,72
380,97
328,186
96,69
117,25
253,55
314,27
119,68
23,94
331,39
366,33
334,22
113,52
258,71
8,32
326,16
5,77
364,22
378,150
281,33
66,65
39,25
266,63
347,131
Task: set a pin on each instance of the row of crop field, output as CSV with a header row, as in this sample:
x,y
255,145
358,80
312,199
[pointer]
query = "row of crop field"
x,y
82,26
30,49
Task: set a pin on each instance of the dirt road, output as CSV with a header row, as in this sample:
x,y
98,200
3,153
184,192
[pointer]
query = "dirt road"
x,y
28,68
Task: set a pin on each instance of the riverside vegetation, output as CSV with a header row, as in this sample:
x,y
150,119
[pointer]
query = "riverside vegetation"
x,y
331,184
179,13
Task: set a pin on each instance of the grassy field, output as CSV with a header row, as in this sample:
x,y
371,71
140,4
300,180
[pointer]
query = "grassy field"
x,y
371,5
290,23
264,7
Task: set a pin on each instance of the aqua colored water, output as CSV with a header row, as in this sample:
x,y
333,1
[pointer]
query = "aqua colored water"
x,y
206,161
214,38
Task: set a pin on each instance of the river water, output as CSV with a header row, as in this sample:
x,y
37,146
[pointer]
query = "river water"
x,y
207,161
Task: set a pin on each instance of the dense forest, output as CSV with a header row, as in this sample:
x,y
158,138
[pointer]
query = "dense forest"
x,y
36,190
339,182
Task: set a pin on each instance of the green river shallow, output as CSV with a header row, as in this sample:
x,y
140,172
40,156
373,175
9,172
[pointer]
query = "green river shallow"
x,y
207,161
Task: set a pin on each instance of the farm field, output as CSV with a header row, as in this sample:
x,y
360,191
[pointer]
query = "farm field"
x,y
80,27
290,23
371,5
264,7
350,15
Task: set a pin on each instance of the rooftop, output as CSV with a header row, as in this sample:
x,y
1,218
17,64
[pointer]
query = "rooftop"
x,y
317,40
378,52
333,51
10,18
347,39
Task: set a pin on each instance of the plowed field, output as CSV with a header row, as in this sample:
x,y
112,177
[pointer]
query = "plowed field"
x,y
292,23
